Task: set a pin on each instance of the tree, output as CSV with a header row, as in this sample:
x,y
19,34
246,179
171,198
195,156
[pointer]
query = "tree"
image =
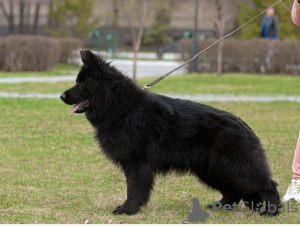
x,y
9,16
71,18
24,16
287,29
22,9
36,17
158,32
136,13
220,23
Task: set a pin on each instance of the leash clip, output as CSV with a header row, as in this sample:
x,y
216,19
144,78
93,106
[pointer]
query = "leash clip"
x,y
146,86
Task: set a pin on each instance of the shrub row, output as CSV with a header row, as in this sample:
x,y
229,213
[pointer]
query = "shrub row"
x,y
67,46
249,56
34,53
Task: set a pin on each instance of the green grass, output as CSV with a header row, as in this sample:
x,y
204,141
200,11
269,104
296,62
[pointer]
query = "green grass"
x,y
44,87
227,84
52,171
192,84
61,69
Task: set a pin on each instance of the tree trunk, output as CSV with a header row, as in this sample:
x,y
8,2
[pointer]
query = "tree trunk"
x,y
220,58
135,58
36,18
49,21
11,18
8,16
21,24
115,13
27,18
115,25
160,52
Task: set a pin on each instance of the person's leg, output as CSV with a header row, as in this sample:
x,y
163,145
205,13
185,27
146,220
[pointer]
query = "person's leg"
x,y
296,163
293,192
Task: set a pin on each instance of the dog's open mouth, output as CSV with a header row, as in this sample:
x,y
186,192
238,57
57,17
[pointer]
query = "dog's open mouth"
x,y
80,107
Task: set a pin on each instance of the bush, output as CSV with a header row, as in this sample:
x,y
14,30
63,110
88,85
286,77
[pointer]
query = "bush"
x,y
29,53
67,46
249,56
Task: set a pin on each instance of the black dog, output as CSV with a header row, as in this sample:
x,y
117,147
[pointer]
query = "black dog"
x,y
146,134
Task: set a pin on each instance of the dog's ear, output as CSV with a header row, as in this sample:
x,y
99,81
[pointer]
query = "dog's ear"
x,y
87,56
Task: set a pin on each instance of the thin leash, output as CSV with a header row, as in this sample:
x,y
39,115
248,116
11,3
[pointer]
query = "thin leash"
x,y
147,86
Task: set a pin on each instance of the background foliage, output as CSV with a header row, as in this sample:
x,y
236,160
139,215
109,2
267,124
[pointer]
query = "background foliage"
x,y
158,32
72,18
287,30
28,53
249,56
36,53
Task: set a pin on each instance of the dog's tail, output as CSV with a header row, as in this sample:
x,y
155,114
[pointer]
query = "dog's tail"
x,y
272,200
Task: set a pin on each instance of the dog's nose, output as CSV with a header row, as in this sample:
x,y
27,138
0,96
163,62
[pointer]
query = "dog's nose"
x,y
63,96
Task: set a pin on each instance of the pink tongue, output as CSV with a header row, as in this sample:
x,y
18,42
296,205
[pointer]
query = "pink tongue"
x,y
75,108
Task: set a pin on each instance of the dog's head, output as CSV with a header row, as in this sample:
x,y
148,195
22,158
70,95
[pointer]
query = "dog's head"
x,y
101,90
80,95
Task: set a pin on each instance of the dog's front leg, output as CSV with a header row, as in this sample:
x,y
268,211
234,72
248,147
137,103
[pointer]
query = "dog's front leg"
x,y
140,180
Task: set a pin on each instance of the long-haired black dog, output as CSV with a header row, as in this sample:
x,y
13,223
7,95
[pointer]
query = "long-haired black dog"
x,y
146,134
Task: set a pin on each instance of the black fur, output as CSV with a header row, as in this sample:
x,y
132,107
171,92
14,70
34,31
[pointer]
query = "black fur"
x,y
146,134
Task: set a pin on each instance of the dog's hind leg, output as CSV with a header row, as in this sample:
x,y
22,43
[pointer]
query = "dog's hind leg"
x,y
272,200
140,180
229,196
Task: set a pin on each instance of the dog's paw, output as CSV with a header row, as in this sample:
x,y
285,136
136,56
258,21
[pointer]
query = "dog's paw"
x,y
118,211
269,214
123,210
